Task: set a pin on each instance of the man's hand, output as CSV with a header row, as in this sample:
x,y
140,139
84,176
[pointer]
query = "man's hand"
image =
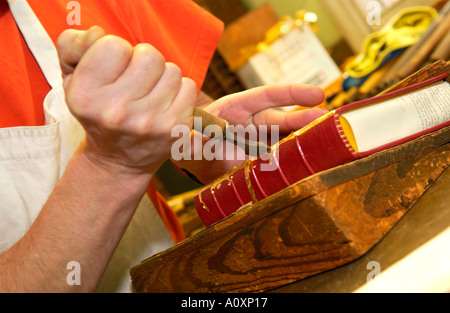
x,y
256,107
127,98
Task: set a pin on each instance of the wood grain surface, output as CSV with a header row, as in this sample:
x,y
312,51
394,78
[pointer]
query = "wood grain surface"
x,y
317,224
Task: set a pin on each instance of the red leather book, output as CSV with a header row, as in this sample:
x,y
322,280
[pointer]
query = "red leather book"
x,y
341,136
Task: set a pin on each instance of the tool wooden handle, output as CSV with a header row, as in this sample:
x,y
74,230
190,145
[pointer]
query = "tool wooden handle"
x,y
258,148
209,119
442,51
423,51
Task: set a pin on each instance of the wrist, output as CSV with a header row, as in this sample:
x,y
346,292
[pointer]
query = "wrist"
x,y
109,169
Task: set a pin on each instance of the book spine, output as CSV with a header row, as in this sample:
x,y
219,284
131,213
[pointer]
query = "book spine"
x,y
224,197
317,147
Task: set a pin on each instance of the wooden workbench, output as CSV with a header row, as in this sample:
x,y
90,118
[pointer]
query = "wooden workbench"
x,y
318,234
428,218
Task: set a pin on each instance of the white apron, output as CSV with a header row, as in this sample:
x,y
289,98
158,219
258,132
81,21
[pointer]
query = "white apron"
x,y
33,159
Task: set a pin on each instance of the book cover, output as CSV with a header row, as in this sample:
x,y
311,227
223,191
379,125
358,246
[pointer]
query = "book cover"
x,y
341,136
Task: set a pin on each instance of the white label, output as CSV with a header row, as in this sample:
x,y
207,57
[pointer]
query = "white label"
x,y
297,57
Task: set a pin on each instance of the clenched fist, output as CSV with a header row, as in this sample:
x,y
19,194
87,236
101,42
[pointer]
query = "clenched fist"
x,y
127,98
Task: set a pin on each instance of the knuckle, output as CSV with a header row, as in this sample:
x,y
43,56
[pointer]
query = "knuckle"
x,y
115,45
188,91
189,84
147,54
113,117
77,103
66,38
66,46
172,76
173,69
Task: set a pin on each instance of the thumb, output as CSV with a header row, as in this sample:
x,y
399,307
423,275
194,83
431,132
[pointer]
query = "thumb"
x,y
72,45
254,106
288,121
266,97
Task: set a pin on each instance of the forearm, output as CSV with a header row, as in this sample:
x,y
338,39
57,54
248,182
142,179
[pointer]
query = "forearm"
x,y
83,221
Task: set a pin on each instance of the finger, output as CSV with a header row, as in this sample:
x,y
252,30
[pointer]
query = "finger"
x,y
180,112
73,44
103,62
261,98
299,94
182,106
157,100
167,88
288,121
144,71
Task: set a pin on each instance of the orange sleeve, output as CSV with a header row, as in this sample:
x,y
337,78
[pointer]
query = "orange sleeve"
x,y
184,32
166,213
